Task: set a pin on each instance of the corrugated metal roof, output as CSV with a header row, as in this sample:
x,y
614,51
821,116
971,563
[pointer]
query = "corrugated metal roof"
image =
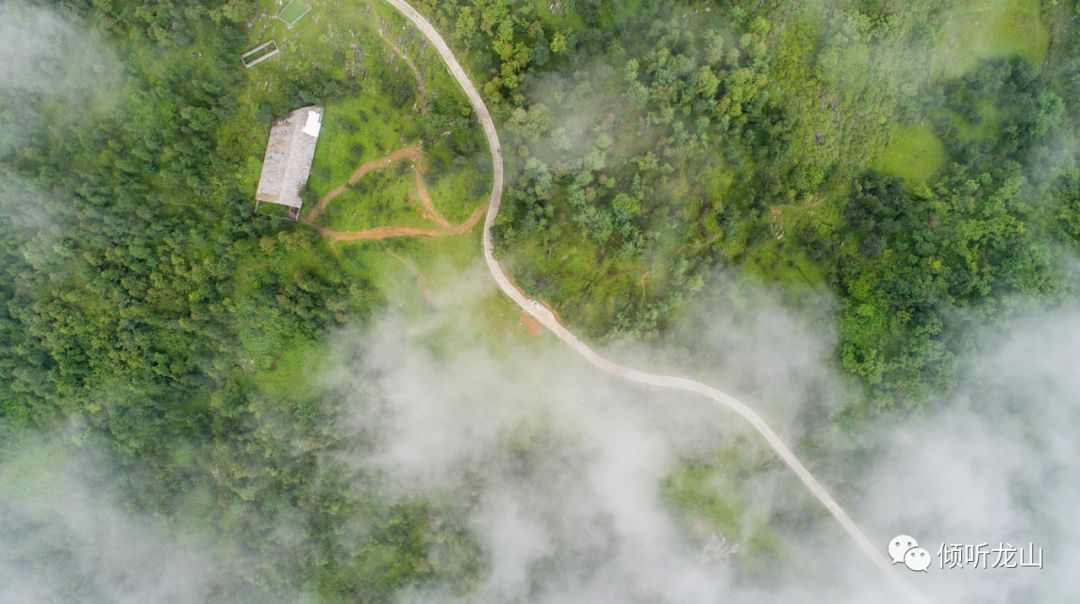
x,y
289,153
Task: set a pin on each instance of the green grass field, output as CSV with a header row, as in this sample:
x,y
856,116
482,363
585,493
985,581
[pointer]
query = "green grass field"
x,y
355,131
984,30
294,374
384,197
459,190
914,154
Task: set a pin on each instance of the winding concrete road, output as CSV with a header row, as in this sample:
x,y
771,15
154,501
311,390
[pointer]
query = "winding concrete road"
x,y
875,553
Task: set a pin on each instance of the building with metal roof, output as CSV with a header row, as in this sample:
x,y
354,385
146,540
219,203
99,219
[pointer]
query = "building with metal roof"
x,y
289,154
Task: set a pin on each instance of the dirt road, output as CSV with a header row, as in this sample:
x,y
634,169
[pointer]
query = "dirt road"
x,y
875,553
385,232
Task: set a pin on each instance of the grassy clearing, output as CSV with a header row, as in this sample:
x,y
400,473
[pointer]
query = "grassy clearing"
x,y
385,197
982,30
356,131
457,192
776,262
915,154
419,277
294,374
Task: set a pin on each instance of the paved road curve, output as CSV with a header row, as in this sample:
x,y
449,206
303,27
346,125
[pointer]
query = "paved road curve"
x,y
876,553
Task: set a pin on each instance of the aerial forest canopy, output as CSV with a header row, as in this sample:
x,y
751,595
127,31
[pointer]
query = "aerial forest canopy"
x,y
913,160
916,161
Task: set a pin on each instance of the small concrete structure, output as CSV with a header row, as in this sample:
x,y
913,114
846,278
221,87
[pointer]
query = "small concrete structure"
x,y
259,54
294,11
289,154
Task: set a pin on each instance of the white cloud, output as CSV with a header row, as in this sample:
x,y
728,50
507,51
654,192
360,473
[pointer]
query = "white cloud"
x,y
558,467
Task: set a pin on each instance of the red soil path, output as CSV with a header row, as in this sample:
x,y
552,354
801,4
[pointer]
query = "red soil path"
x,y
427,208
531,324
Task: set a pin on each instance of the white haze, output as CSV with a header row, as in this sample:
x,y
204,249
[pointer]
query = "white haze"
x,y
45,60
42,52
64,539
559,467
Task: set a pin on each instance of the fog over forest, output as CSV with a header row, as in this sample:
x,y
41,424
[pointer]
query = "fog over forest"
x,y
558,470
459,464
